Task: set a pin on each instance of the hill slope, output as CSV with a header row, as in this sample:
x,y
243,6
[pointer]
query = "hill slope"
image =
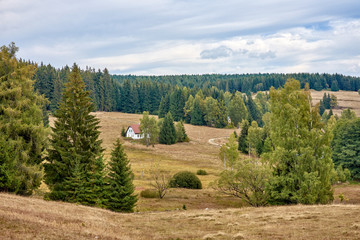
x,y
31,218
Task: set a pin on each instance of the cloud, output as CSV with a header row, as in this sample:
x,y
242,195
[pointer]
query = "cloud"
x,y
219,52
181,36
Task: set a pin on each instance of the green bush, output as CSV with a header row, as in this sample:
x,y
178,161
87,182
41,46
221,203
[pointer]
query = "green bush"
x,y
149,193
201,172
185,179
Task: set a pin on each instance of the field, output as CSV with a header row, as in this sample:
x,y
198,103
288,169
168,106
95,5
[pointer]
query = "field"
x,y
345,99
209,214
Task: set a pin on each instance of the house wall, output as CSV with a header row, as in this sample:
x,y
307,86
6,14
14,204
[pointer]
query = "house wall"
x,y
130,133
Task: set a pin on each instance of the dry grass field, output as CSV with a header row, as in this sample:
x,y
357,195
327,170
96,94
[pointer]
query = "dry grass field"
x,y
209,214
31,218
345,99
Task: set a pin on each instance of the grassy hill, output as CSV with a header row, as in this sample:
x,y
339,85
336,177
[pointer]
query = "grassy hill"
x,y
31,218
210,215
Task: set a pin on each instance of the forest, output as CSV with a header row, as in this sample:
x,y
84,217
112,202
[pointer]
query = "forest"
x,y
196,99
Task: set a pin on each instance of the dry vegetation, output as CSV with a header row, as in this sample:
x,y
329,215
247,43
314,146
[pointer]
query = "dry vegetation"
x,y
210,215
346,99
30,218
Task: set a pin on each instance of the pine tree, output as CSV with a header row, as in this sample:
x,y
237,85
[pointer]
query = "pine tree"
x,y
167,130
120,195
181,133
197,117
243,138
75,142
22,134
164,106
302,155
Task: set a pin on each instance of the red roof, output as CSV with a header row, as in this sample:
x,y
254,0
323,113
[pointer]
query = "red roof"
x,y
136,128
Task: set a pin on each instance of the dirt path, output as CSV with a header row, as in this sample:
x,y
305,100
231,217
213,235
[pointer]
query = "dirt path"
x,y
218,141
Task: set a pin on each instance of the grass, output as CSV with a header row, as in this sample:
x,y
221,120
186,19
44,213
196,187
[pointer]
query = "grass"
x,y
31,218
346,99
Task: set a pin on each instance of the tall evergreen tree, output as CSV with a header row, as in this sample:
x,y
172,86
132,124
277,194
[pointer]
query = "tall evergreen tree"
x,y
302,155
177,104
197,116
164,106
75,144
181,133
22,134
243,138
167,130
120,195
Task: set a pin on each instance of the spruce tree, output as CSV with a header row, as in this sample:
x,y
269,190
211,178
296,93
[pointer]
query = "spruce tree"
x,y
75,144
167,130
22,134
120,195
243,138
197,117
181,133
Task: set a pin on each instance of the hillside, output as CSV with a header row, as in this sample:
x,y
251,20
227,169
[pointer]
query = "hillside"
x,y
30,218
210,215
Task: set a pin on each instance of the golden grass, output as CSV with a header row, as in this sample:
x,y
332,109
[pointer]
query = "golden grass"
x,y
346,99
31,218
191,156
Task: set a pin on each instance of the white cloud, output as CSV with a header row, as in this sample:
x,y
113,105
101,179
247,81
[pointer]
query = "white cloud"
x,y
181,36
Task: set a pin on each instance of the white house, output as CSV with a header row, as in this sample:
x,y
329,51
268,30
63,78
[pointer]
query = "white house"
x,y
134,132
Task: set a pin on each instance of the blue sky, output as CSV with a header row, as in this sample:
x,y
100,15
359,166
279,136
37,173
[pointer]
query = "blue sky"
x,y
157,37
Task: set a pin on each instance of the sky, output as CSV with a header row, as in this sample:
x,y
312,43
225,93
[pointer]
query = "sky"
x,y
162,37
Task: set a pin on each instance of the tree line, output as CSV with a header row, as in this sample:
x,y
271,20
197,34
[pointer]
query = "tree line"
x,y
196,99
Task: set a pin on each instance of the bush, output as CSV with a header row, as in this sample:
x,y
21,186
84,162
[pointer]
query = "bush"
x,y
185,179
149,193
201,172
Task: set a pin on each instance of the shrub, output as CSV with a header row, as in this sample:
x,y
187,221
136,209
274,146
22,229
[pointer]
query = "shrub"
x,y
185,179
149,193
201,172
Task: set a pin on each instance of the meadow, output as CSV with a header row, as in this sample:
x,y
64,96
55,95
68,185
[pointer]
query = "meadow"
x,y
208,215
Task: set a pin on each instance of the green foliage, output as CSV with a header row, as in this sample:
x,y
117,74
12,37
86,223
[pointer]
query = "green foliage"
x,y
334,86
246,181
164,106
149,128
120,195
229,153
181,133
177,104
326,100
255,138
23,137
167,131
149,193
302,155
201,172
123,132
185,179
237,109
197,115
346,144
74,169
243,138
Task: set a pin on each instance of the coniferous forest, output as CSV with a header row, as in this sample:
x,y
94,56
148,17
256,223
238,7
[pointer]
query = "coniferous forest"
x,y
196,99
